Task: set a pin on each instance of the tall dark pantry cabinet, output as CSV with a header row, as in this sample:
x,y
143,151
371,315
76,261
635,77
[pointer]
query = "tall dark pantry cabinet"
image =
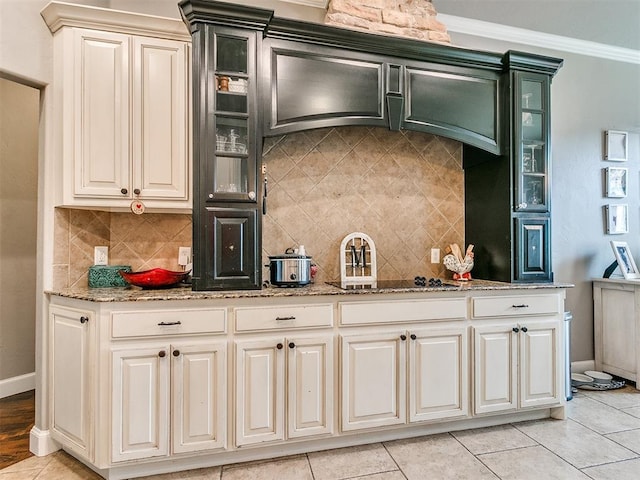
x,y
227,146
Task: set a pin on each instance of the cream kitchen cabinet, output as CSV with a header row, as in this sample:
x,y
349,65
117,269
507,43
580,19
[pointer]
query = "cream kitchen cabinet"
x,y
517,360
284,382
71,356
168,398
424,369
122,109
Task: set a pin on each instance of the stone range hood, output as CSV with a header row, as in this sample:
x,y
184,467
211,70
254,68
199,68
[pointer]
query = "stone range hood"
x,y
474,80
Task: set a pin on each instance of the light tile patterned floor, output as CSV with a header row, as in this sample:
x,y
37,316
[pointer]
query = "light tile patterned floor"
x,y
599,441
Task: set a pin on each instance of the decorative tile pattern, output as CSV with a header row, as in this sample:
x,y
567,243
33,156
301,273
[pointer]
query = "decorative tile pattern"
x,y
404,189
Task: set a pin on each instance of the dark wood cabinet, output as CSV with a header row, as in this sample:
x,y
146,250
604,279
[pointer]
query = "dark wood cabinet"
x,y
255,75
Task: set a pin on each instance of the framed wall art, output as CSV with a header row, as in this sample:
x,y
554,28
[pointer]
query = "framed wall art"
x,y
615,182
625,260
617,218
615,146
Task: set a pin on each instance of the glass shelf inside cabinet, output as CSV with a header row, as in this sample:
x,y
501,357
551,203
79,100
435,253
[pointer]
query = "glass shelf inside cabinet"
x,y
231,135
230,175
533,158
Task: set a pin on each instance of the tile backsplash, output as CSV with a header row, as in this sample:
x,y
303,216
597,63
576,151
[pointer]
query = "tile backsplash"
x,y
403,189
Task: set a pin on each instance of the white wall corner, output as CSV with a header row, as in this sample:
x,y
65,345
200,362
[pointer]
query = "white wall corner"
x,y
41,444
15,385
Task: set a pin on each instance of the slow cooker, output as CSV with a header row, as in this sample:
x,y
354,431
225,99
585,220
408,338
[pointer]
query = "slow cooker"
x,y
289,270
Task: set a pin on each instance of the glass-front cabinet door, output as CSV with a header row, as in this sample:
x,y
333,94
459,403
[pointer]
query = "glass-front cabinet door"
x,y
231,168
531,119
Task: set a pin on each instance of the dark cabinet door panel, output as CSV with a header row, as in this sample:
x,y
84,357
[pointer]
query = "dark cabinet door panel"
x,y
231,250
458,106
532,241
322,88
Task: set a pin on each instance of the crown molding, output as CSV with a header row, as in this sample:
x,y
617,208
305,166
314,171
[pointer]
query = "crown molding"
x,y
523,36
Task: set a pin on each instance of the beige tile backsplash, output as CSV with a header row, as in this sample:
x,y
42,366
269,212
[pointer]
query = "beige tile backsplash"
x,y
404,189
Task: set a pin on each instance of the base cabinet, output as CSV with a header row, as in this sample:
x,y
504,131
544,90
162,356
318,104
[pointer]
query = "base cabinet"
x,y
71,393
422,369
167,398
283,385
159,386
517,365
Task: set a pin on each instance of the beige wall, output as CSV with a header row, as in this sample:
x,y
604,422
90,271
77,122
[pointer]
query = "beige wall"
x,y
405,190
19,107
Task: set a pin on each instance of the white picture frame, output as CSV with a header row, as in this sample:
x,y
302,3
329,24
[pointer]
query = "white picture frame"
x,y
625,260
616,182
615,146
617,218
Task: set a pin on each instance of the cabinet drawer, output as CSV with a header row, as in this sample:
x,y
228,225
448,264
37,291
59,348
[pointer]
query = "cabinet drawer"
x,y
362,313
167,322
268,318
515,306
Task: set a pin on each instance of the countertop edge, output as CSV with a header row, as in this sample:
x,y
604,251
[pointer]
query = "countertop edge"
x,y
135,294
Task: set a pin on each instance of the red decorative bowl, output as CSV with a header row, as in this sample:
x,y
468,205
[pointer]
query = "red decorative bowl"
x,y
155,278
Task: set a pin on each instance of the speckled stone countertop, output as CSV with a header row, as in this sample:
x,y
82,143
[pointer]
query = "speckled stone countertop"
x,y
136,294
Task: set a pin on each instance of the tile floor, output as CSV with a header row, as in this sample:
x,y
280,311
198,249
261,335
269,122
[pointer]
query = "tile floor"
x,y
600,440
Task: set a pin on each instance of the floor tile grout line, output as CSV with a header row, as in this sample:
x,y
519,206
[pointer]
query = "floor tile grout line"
x,y
384,445
475,455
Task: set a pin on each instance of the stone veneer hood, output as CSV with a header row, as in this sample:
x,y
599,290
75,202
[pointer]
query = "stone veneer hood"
x,y
402,18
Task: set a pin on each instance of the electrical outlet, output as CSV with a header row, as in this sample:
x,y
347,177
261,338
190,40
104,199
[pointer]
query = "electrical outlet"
x,y
435,255
184,256
101,256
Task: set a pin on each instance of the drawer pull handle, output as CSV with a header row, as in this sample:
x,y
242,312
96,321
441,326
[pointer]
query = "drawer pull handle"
x,y
522,305
167,324
84,319
286,318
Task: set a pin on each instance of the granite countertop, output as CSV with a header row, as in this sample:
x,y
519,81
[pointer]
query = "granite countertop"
x,y
136,294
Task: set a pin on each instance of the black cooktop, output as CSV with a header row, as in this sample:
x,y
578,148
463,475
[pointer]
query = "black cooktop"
x,y
398,284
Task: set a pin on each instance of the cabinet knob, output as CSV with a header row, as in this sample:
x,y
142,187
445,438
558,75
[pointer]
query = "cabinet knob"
x,y
162,353
176,353
136,191
403,337
522,205
292,345
252,195
516,329
413,336
211,195
524,329
84,319
279,346
124,191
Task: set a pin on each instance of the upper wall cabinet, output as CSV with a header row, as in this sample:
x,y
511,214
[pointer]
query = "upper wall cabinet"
x,y
122,129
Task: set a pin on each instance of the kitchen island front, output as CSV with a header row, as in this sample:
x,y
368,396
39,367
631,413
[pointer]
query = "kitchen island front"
x,y
151,381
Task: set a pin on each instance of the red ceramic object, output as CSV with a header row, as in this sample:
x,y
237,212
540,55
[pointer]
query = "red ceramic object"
x,y
155,278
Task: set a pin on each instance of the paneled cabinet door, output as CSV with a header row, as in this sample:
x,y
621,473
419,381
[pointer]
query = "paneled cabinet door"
x,y
140,403
100,96
160,118
198,383
541,377
533,240
374,380
70,389
438,374
495,368
259,391
310,386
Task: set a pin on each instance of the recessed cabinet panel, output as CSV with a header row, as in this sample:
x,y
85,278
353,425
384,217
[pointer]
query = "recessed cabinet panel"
x,y
232,245
454,105
532,239
321,88
539,384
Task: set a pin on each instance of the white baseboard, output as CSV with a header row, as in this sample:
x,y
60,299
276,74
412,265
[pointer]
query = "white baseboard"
x,y
582,366
40,442
19,384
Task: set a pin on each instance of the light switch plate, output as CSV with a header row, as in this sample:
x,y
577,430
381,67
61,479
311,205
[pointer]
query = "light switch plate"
x,y
435,255
101,256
